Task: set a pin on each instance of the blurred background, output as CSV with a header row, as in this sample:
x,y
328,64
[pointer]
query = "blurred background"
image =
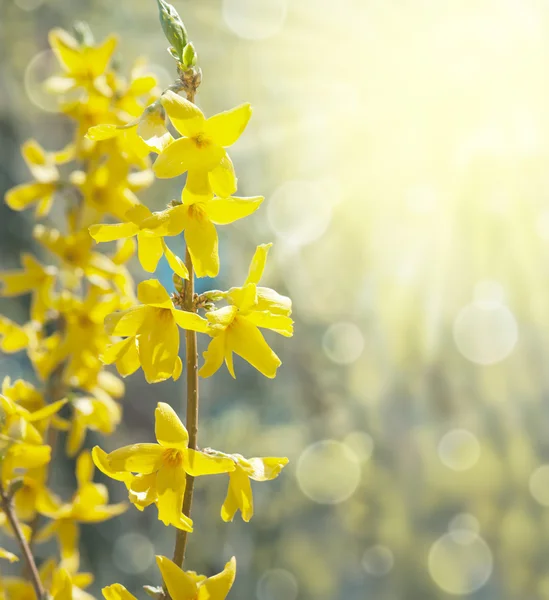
x,y
402,146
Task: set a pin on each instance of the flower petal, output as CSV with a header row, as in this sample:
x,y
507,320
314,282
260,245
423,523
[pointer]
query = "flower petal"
x,y
180,585
68,534
222,178
213,356
136,458
180,156
239,495
153,293
142,490
84,468
117,591
218,586
169,430
189,320
265,469
109,233
226,127
257,266
176,264
186,117
101,461
126,322
158,346
8,555
170,487
198,463
279,323
202,242
149,251
223,211
246,340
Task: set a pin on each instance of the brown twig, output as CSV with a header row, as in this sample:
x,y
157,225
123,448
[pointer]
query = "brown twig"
x,y
7,507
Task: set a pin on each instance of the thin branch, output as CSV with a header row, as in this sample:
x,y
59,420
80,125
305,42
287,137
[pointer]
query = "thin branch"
x,y
7,506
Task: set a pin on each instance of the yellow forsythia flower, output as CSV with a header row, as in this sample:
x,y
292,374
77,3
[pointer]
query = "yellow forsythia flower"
x,y
8,555
183,585
235,328
163,466
150,244
201,149
88,505
197,216
154,325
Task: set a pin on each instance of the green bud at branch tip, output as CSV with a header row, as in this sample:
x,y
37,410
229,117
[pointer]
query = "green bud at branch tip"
x,y
173,28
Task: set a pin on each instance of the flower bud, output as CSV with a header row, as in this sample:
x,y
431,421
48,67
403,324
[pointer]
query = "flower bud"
x,y
178,283
173,27
189,56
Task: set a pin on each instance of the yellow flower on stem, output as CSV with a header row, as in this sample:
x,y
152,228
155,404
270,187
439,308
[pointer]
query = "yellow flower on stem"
x,y
239,495
60,583
83,65
150,127
164,466
109,189
150,244
88,505
197,216
201,149
152,334
13,337
34,279
183,585
235,328
43,166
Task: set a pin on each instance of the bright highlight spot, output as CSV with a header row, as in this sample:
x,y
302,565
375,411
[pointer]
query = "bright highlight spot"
x,y
460,563
299,212
328,472
133,553
485,332
343,343
255,19
459,450
539,485
277,584
378,560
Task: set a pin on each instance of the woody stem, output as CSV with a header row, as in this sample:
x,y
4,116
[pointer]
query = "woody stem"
x,y
7,506
192,406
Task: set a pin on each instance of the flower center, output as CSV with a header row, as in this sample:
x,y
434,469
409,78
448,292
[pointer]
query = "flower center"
x,y
172,457
201,140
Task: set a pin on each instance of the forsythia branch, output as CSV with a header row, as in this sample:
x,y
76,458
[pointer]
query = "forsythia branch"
x,y
7,507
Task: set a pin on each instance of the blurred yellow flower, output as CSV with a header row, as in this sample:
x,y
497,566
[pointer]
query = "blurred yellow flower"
x,y
154,326
8,555
164,466
83,65
235,328
88,505
201,149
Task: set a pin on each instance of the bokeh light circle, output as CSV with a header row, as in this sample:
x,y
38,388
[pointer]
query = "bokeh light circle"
x,y
485,332
133,553
378,560
277,584
460,564
459,449
464,522
343,343
328,472
255,19
361,443
299,212
539,485
40,67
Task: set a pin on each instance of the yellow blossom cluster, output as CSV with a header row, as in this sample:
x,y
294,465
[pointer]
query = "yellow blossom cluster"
x,y
87,313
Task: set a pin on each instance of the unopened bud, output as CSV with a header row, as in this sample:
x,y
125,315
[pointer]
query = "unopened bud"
x,y
173,28
178,283
189,56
